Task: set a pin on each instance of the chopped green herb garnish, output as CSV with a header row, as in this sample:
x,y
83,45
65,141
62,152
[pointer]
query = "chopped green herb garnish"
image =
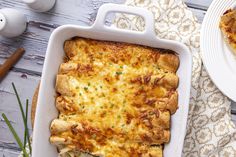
x,y
86,88
121,67
89,84
118,73
101,87
94,136
119,116
112,105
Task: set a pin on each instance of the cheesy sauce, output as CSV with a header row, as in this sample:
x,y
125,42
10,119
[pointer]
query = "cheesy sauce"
x,y
114,99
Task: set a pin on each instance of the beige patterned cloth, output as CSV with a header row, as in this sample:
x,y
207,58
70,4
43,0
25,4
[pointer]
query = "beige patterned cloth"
x,y
210,131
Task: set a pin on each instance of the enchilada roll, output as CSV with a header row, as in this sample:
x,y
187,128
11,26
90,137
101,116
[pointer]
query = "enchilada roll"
x,y
86,50
147,126
170,62
111,148
64,85
67,67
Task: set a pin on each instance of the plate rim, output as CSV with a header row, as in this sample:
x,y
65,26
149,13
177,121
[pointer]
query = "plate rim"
x,y
203,43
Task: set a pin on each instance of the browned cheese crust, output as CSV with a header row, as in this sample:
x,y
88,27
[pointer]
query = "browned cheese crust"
x,y
228,27
115,99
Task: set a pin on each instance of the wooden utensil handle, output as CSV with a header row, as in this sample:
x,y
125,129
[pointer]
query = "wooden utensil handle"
x,y
10,62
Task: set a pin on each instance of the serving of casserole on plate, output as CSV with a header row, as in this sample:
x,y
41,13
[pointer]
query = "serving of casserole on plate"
x,y
114,99
228,27
218,45
114,96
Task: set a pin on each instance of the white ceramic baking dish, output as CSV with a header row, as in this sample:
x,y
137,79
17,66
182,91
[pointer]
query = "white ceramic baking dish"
x,y
46,110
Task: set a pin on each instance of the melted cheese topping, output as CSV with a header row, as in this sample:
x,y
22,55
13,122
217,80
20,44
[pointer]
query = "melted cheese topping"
x,y
115,99
228,27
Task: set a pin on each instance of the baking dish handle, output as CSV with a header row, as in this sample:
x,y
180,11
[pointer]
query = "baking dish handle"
x,y
107,8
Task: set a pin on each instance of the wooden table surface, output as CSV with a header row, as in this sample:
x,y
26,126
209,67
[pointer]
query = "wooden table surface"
x,y
26,73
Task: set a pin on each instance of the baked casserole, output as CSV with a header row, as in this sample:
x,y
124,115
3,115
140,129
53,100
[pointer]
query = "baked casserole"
x,y
114,99
228,27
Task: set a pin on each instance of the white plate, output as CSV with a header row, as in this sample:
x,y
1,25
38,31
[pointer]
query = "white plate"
x,y
46,110
219,60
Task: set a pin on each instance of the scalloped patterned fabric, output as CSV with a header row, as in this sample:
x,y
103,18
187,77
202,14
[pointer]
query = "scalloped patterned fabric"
x,y
210,131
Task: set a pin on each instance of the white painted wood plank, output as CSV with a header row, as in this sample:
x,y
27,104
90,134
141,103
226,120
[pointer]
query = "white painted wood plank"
x,y
8,153
233,107
199,14
234,118
25,85
199,4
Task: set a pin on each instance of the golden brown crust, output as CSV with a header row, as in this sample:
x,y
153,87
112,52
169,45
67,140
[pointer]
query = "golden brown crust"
x,y
115,98
228,27
117,150
86,50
